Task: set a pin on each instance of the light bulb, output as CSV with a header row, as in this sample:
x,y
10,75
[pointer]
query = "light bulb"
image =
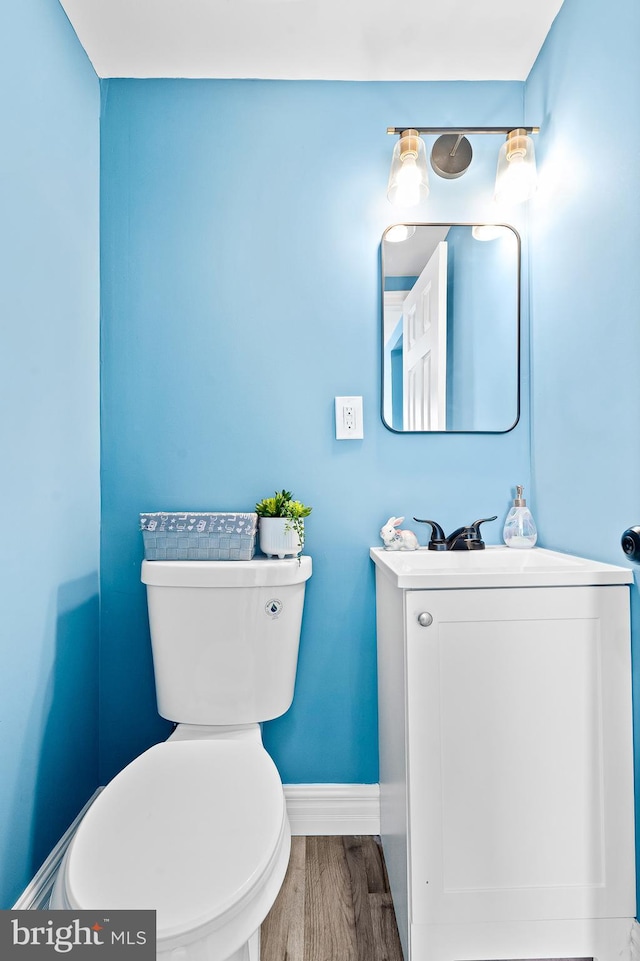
x,y
516,177
486,231
399,233
408,179
408,193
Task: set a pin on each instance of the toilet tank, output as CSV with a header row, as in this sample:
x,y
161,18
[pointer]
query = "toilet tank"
x,y
225,637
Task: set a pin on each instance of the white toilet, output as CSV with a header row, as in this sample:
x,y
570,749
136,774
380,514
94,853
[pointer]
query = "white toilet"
x,y
196,827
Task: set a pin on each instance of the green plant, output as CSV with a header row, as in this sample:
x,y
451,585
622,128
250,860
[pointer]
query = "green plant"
x,y
282,504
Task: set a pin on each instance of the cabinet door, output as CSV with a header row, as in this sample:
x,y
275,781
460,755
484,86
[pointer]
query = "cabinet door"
x,y
520,754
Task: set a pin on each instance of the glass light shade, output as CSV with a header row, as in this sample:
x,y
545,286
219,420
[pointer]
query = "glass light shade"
x,y
516,178
408,179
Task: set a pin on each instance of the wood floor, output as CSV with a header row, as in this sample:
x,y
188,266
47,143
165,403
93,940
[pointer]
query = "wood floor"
x,y
334,904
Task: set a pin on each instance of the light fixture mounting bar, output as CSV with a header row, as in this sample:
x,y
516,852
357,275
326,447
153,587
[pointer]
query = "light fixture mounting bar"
x,y
462,130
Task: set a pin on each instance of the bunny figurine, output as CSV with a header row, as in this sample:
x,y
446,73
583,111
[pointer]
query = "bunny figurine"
x,y
395,540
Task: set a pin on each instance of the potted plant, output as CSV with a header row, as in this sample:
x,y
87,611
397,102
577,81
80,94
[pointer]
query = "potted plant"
x,y
281,524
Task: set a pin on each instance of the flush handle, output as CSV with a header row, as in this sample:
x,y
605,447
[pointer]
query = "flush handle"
x,y
425,619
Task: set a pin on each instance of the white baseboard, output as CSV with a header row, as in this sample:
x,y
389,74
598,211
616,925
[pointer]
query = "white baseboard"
x,y
333,808
635,941
37,893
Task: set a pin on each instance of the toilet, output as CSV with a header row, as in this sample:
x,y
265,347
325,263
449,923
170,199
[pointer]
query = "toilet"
x,y
196,828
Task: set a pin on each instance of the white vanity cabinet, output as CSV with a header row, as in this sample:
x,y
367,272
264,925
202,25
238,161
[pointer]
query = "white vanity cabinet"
x,y
506,774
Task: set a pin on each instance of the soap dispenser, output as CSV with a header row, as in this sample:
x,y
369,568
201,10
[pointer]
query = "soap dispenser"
x,y
519,527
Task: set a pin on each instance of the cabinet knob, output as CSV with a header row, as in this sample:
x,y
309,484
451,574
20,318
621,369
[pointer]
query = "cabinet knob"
x,y
425,619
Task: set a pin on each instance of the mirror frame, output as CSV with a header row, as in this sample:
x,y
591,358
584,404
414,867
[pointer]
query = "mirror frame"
x,y
411,433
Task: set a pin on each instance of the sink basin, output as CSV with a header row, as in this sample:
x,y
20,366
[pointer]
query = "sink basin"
x,y
493,567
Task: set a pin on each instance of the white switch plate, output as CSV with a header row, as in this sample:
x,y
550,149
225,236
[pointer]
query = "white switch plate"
x,y
349,424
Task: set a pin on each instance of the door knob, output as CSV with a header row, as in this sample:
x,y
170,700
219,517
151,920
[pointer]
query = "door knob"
x,y
631,543
425,619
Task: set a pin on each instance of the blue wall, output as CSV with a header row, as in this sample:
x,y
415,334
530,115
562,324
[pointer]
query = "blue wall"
x,y
585,284
241,223
49,430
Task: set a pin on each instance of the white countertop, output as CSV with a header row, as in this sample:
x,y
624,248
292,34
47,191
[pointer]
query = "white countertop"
x,y
493,567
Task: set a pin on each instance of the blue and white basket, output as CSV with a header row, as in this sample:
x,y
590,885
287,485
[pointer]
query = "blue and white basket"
x,y
199,536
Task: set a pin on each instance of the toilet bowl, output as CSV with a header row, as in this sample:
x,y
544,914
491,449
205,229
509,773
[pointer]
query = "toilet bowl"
x,y
195,830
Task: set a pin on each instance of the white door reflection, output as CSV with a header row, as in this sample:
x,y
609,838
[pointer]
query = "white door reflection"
x,y
451,329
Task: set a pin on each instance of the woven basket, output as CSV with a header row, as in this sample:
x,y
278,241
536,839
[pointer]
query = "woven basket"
x,y
199,536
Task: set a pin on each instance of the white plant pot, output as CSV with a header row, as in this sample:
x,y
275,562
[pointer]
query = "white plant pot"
x,y
276,540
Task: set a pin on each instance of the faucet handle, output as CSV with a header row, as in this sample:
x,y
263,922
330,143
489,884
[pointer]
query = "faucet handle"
x,y
438,539
483,520
474,530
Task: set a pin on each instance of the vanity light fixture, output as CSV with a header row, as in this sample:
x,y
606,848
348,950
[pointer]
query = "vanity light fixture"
x,y
451,156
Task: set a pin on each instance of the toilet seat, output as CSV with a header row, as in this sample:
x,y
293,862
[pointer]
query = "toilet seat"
x,y
193,829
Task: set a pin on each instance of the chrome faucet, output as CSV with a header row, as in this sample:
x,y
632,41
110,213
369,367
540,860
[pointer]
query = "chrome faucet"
x,y
463,539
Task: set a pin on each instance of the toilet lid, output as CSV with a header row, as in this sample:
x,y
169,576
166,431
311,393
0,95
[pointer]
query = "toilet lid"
x,y
187,829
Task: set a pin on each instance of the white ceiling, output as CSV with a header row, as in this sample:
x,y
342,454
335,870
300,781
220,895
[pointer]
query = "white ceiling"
x,y
313,39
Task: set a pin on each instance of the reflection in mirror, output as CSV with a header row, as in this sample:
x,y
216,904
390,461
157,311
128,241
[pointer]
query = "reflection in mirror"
x,y
451,327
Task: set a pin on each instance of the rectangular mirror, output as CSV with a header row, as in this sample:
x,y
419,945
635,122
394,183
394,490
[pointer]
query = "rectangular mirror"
x,y
450,328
